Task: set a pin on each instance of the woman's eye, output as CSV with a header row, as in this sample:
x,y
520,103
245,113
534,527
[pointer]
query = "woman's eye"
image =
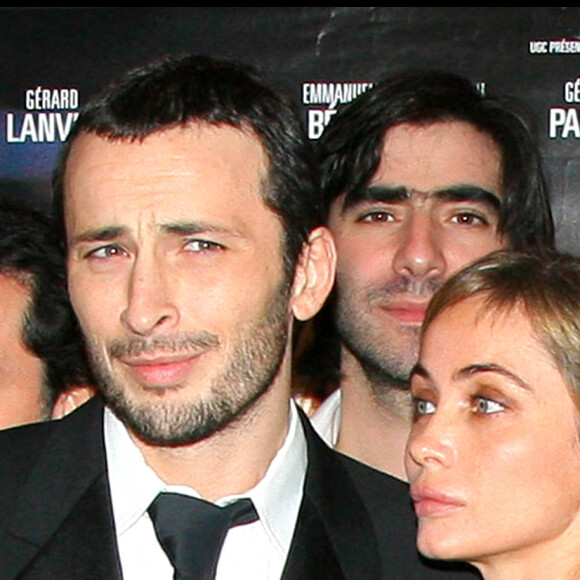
x,y
423,407
487,406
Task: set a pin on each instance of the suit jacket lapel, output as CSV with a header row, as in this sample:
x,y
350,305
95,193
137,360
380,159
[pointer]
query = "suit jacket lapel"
x,y
312,556
50,522
334,535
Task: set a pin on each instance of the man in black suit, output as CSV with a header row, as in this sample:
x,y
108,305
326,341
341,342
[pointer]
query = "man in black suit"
x,y
191,217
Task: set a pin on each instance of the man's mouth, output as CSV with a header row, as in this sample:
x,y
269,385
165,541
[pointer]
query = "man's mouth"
x,y
161,371
407,312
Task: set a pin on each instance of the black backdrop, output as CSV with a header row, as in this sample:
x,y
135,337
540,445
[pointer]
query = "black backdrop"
x,y
53,57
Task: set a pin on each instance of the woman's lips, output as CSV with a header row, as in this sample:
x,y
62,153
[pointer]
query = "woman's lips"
x,y
430,502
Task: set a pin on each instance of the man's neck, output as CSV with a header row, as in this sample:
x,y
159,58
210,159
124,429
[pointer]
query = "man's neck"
x,y
230,461
374,429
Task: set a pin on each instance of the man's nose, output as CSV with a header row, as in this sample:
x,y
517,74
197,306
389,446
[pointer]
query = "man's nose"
x,y
150,302
419,253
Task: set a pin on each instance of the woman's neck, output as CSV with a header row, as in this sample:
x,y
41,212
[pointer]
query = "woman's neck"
x,y
558,560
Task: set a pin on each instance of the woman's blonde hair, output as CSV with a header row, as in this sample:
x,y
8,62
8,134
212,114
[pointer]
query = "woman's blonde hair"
x,y
545,286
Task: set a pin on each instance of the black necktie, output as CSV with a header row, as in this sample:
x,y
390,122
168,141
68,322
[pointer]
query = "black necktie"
x,y
192,531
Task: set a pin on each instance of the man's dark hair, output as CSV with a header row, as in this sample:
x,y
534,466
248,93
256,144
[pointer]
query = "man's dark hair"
x,y
30,253
177,91
351,146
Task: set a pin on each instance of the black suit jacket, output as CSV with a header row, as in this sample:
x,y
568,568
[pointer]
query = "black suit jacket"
x,y
56,521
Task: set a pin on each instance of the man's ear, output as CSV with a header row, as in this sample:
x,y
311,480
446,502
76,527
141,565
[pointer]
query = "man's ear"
x,y
69,400
314,275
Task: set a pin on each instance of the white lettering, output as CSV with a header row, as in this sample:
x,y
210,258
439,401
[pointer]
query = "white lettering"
x,y
572,91
564,46
41,98
10,137
538,47
564,123
39,127
46,128
63,130
28,129
332,94
317,121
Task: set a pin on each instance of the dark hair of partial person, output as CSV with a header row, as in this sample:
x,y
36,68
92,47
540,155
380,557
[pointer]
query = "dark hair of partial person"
x,y
31,254
351,146
544,286
179,90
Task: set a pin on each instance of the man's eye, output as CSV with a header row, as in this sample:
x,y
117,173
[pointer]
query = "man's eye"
x,y
105,252
469,218
487,406
423,407
377,217
202,246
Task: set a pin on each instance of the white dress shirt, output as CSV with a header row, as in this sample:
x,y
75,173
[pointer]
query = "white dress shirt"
x,y
328,417
253,551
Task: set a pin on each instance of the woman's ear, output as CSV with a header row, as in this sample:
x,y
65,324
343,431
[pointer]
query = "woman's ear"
x,y
314,274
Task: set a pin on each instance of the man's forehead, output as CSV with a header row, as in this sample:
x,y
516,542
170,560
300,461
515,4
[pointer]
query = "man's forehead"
x,y
199,154
435,131
443,159
186,136
202,178
442,140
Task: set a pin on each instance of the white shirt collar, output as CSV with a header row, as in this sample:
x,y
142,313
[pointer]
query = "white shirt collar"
x,y
327,419
134,484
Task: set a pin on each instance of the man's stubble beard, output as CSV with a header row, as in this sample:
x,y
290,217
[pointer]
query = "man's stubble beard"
x,y
250,370
384,368
386,354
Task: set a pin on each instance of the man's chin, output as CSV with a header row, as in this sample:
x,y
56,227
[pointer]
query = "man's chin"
x,y
170,424
389,369
382,378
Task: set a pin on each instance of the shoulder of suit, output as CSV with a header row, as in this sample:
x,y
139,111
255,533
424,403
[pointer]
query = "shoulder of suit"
x,y
20,446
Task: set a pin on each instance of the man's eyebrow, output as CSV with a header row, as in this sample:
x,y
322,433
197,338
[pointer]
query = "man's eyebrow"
x,y
188,228
398,194
481,368
469,193
375,193
108,233
103,234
